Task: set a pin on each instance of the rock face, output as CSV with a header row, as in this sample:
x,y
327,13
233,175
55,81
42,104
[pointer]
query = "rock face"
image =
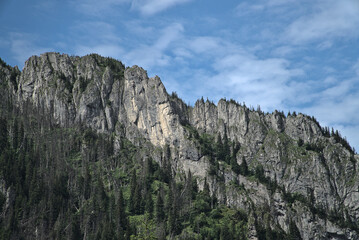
x,y
306,176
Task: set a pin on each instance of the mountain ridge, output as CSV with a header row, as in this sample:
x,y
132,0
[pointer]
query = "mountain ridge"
x,y
301,170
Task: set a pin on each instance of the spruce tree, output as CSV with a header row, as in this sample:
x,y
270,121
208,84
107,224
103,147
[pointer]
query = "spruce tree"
x,y
294,233
234,164
244,167
133,186
226,148
219,148
160,213
122,217
149,204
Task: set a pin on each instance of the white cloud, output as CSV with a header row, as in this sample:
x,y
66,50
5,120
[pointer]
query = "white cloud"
x,y
151,7
95,31
336,105
356,68
330,19
204,44
234,72
250,7
105,50
245,8
325,45
23,46
351,132
154,55
283,51
136,27
97,37
97,8
248,78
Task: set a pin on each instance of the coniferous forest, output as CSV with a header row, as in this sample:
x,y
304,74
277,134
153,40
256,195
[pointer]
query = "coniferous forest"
x,y
68,183
126,172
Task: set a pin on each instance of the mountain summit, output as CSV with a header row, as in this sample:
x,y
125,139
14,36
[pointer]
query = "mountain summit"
x,y
85,139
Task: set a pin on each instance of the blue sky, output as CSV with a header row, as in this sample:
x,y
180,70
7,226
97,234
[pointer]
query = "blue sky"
x,y
280,54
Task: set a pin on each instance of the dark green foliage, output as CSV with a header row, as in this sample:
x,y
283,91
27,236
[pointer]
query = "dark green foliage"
x,y
233,160
314,147
2,200
259,173
294,231
160,213
223,152
122,216
149,204
300,142
83,84
75,229
3,135
243,167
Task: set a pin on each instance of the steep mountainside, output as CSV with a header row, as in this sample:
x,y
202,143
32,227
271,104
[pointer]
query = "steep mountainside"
x,y
289,176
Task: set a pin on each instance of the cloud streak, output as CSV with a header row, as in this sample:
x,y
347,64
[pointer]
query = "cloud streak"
x,y
154,54
330,19
151,7
23,46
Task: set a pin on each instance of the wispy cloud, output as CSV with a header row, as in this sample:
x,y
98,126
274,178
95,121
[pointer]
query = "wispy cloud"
x,y
97,8
328,19
105,50
356,68
250,7
234,72
23,45
151,7
154,54
337,104
96,37
257,81
94,31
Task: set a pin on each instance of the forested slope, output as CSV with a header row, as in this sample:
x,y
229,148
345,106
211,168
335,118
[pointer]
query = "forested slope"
x,y
90,149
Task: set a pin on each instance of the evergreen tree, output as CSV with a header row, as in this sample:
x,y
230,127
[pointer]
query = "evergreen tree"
x,y
294,233
234,164
149,204
133,187
226,148
75,229
173,210
243,167
219,148
160,213
225,233
3,135
122,217
137,200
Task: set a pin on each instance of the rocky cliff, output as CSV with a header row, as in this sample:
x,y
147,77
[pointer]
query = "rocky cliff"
x,y
283,169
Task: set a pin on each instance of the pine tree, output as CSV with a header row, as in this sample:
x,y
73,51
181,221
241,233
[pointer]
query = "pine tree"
x,y
226,148
160,213
234,164
75,229
166,165
244,167
122,217
3,135
225,233
137,200
294,233
219,148
133,186
173,210
149,204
